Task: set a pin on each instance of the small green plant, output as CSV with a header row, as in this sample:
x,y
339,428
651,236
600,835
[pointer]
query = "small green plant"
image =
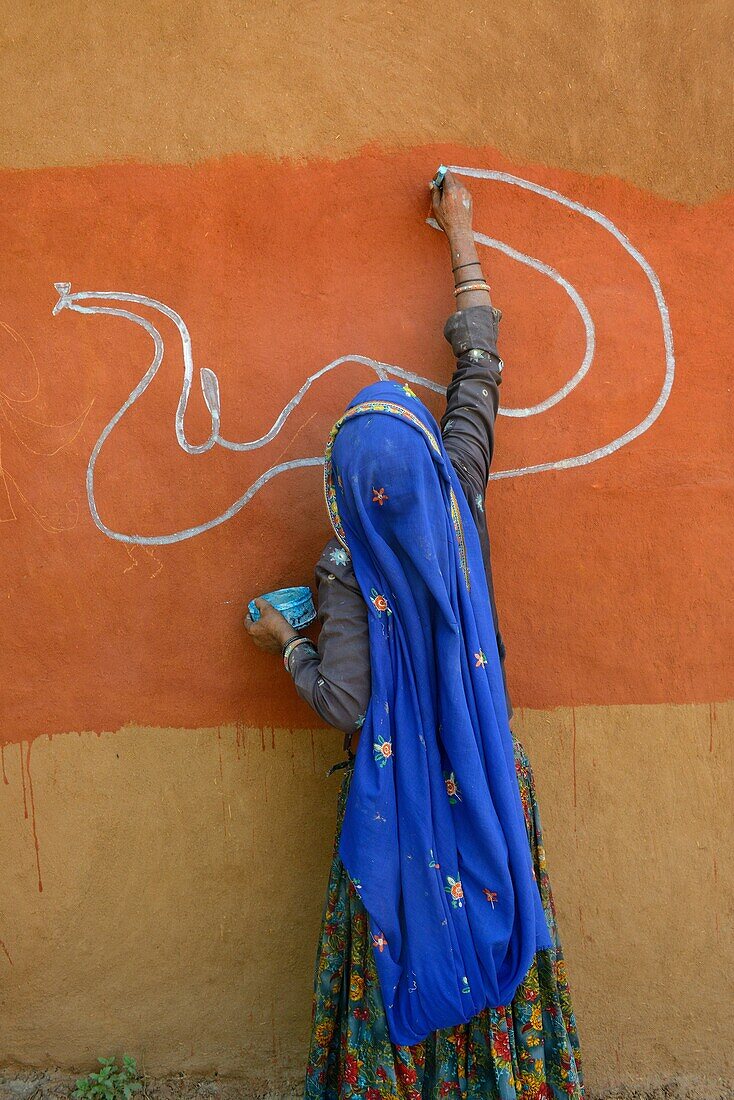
x,y
111,1082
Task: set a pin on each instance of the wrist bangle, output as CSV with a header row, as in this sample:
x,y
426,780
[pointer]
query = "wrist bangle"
x,y
465,288
471,263
288,651
471,282
288,641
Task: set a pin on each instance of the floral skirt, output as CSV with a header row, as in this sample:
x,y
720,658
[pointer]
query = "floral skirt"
x,y
527,1049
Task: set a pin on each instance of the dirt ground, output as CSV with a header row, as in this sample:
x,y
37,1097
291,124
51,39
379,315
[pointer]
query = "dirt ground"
x,y
44,1085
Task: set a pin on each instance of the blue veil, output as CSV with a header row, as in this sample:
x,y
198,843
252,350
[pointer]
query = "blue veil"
x,y
434,836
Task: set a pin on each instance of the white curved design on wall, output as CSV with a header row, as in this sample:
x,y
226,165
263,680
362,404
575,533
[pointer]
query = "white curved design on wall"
x,y
210,384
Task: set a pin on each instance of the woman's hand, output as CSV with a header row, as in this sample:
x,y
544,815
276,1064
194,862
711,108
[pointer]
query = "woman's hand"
x,y
452,208
271,631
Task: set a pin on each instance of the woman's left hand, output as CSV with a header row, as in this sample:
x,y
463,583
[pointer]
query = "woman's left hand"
x,y
271,631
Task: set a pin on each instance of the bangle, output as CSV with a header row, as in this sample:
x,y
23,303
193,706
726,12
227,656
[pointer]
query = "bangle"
x,y
292,644
288,641
465,288
471,263
470,282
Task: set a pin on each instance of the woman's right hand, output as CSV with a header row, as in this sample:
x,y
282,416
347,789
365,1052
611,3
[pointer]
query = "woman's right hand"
x,y
452,207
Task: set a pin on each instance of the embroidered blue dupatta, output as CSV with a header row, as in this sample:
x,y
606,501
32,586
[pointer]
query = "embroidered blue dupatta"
x,y
434,836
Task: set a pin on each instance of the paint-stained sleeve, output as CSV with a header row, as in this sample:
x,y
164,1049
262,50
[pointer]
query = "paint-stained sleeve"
x,y
472,398
335,678
467,426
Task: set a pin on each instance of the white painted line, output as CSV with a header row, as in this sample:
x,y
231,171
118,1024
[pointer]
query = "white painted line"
x,y
211,392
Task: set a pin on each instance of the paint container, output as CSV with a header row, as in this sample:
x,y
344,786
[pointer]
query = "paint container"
x,y
437,180
295,605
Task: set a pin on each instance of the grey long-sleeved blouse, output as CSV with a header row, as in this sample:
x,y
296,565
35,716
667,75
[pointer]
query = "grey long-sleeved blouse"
x,y
334,678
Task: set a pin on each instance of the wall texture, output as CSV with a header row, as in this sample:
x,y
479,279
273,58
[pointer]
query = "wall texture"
x,y
165,823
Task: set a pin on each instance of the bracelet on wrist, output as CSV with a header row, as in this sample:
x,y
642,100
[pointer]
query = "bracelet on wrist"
x,y
467,288
288,641
469,263
290,647
470,282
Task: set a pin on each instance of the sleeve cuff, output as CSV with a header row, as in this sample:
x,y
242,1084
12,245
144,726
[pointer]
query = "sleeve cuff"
x,y
476,327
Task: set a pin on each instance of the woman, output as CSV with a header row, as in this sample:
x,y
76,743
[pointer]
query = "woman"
x,y
439,970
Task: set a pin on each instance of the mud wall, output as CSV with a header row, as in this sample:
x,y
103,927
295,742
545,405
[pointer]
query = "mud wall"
x,y
246,187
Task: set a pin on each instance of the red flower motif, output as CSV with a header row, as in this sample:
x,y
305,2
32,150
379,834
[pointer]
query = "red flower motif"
x,y
362,1013
379,942
501,1043
379,496
380,1072
373,1094
406,1073
351,1069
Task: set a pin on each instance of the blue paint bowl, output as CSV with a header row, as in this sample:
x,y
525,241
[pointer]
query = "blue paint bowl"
x,y
294,604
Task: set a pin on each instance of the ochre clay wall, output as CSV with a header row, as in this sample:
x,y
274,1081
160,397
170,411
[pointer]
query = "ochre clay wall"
x,y
165,822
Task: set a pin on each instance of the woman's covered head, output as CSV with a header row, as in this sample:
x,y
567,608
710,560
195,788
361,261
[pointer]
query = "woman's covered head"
x,y
387,481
